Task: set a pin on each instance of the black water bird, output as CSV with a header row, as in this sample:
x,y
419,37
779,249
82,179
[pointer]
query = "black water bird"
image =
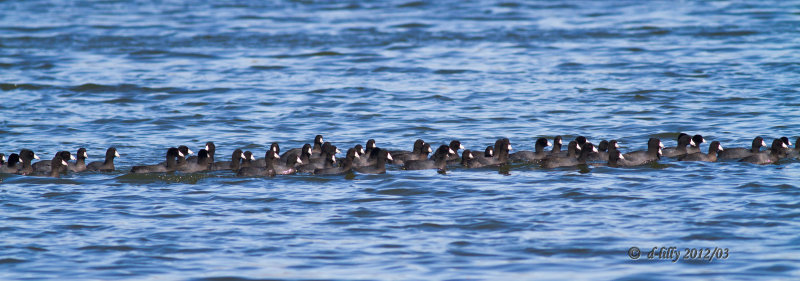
x,y
106,165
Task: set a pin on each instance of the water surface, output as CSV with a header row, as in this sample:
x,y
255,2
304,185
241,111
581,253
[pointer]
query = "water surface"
x,y
145,76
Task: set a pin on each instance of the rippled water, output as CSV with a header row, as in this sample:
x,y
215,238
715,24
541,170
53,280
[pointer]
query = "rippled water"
x,y
143,76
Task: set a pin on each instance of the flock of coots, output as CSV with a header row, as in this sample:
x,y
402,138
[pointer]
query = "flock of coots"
x,y
320,158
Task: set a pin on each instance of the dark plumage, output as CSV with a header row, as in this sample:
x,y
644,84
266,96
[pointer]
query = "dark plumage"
x,y
455,145
186,152
170,166
573,149
468,160
80,164
58,165
380,165
287,168
437,161
530,156
602,155
202,163
210,150
683,141
326,158
501,149
274,147
697,139
652,154
785,152
767,158
26,155
107,165
266,170
370,146
233,165
587,148
581,140
615,159
738,152
557,143
247,159
486,157
317,149
294,152
43,167
12,166
714,148
345,166
418,152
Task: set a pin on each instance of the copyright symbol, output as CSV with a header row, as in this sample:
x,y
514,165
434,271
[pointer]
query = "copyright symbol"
x,y
634,253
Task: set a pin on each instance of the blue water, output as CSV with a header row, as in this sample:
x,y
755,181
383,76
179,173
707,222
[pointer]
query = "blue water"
x,y
143,76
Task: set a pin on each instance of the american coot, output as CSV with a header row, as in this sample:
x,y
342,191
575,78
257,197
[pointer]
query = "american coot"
x,y
437,161
486,157
171,163
58,165
294,152
602,155
26,155
679,150
455,145
267,170
697,139
652,154
202,163
500,157
616,159
326,158
107,165
367,157
345,166
317,149
210,150
587,148
738,153
359,149
714,148
43,167
247,159
785,152
468,160
503,151
420,153
186,152
767,158
573,150
261,162
370,146
794,153
602,146
233,165
380,165
417,152
12,166
289,167
576,144
530,156
557,142
181,159
80,164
